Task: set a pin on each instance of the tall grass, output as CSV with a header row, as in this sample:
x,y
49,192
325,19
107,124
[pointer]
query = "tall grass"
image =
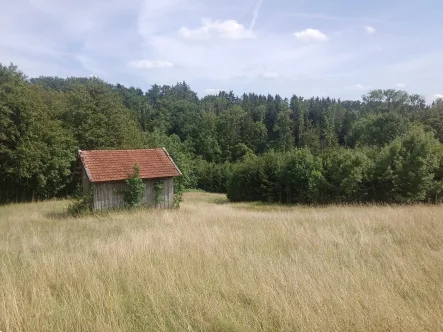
x,y
214,266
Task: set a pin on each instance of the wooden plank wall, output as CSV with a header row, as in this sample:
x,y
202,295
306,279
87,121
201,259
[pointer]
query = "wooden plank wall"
x,y
168,193
109,194
148,195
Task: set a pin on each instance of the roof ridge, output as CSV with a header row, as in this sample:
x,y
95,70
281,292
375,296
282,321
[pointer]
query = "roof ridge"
x,y
113,150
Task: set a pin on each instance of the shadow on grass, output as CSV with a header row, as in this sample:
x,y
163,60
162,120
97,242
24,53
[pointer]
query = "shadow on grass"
x,y
58,215
221,201
105,213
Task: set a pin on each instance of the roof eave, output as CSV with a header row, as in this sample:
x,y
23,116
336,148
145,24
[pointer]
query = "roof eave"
x,y
173,162
84,166
150,178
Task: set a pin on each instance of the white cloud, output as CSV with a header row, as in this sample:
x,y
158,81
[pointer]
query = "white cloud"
x,y
370,30
400,85
150,64
212,91
231,64
438,96
149,29
229,29
359,87
310,35
269,76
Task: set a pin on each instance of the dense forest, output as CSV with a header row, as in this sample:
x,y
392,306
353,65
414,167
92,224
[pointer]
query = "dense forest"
x,y
385,148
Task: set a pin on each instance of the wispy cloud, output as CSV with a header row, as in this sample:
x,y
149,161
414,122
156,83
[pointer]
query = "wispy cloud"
x,y
358,87
215,53
370,30
154,16
319,16
269,76
400,85
255,14
311,35
229,29
150,64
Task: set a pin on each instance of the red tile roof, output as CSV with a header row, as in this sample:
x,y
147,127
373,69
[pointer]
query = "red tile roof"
x,y
114,165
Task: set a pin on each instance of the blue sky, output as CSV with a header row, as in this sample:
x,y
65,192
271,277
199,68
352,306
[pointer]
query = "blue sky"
x,y
339,48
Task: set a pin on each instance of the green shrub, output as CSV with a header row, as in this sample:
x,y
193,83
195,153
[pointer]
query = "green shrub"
x,y
133,195
407,170
297,175
158,191
83,205
348,174
290,177
212,177
179,189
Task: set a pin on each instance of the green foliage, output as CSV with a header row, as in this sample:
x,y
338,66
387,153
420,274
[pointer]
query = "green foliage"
x,y
377,130
291,177
405,170
36,151
179,189
254,147
283,129
83,204
408,170
159,188
296,175
245,180
133,195
212,177
179,151
433,118
348,173
98,119
393,101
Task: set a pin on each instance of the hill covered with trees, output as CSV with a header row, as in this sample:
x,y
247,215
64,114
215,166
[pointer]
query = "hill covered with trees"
x,y
385,148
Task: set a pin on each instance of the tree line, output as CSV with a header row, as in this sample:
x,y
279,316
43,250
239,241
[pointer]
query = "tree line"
x,y
385,147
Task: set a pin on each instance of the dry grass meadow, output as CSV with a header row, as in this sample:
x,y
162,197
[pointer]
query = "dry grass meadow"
x,y
216,266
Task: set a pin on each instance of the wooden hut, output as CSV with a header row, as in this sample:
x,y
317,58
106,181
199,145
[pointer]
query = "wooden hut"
x,y
106,171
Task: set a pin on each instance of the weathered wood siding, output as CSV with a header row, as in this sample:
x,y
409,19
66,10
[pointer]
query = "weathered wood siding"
x,y
109,194
167,199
